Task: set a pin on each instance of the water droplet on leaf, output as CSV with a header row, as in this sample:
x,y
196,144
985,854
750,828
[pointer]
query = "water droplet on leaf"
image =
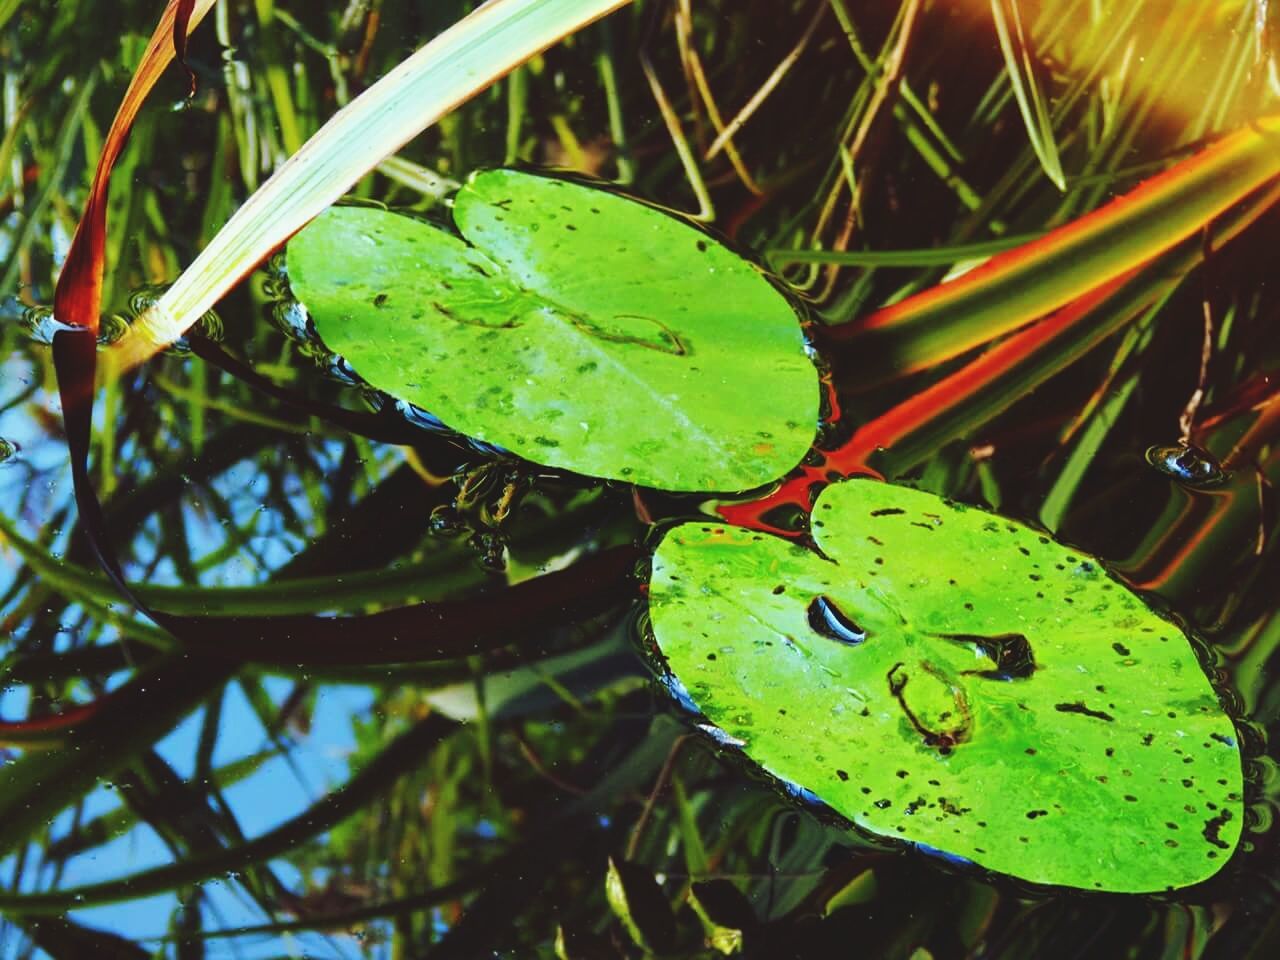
x,y
830,621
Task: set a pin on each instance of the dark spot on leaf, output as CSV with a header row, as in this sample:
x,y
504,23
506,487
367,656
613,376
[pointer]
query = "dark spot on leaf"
x,y
842,775
1120,648
1213,827
887,512
1080,708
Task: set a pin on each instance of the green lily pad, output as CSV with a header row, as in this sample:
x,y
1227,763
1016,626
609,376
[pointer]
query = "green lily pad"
x,y
575,327
954,679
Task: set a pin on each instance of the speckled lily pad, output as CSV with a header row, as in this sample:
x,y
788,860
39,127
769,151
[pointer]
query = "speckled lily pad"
x,y
573,326
954,679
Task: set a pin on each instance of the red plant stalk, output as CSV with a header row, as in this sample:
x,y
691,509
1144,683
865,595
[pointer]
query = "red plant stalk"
x,y
78,295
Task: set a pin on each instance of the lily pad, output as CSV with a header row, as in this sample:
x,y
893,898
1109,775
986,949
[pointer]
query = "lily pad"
x,y
944,676
572,326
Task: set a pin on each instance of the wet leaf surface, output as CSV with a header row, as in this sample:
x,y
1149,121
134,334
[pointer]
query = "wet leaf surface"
x,y
957,680
574,327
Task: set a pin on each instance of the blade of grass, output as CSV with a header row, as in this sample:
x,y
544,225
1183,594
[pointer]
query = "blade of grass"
x,y
907,434
1020,62
182,27
397,758
36,786
78,295
924,257
59,158
459,63
622,776
434,577
1109,403
1031,281
7,9
60,937
96,661
119,821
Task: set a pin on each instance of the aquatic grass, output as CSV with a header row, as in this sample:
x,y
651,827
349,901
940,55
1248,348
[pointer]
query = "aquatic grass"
x,y
114,729
1021,63
369,782
1022,284
447,71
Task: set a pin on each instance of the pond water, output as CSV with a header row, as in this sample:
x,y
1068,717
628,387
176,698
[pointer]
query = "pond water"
x,y
385,683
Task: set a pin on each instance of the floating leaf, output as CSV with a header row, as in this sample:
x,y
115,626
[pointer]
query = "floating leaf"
x,y
955,679
575,327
